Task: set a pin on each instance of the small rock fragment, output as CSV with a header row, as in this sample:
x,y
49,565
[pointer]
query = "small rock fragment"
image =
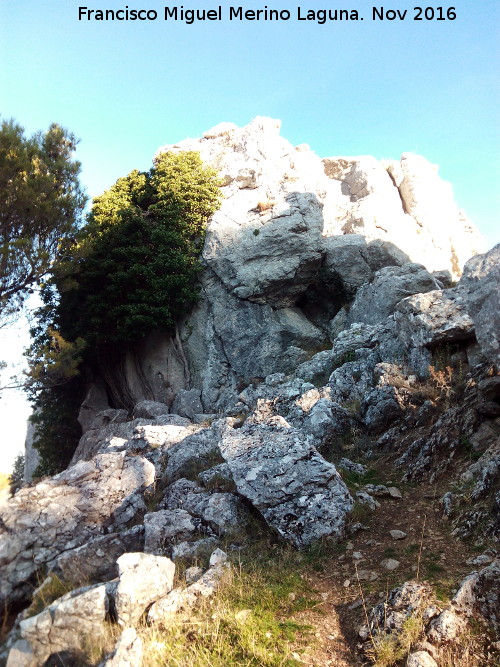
x,y
218,557
390,564
193,574
421,659
397,534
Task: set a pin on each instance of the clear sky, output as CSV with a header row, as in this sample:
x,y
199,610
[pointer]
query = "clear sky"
x,y
345,87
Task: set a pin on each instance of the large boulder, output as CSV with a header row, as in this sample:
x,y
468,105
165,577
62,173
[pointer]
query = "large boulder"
x,y
143,579
481,282
377,300
95,560
66,625
437,317
280,472
64,512
351,260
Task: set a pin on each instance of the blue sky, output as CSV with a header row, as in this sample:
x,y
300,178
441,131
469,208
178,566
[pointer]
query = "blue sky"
x,y
345,88
365,87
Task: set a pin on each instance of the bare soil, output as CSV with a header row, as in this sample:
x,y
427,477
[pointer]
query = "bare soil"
x,y
428,553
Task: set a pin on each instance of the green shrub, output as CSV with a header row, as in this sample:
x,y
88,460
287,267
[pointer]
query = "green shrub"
x,y
132,268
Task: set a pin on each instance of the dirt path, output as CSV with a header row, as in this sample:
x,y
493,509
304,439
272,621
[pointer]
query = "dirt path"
x,y
428,550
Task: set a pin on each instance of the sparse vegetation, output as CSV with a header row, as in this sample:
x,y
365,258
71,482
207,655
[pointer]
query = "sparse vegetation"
x,y
250,622
49,590
265,205
388,649
16,477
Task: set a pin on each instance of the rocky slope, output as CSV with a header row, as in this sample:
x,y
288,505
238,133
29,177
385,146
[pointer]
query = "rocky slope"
x,y
294,240
329,339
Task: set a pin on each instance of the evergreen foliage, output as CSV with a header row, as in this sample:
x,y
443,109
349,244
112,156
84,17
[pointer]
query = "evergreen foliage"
x,y
16,477
133,267
40,204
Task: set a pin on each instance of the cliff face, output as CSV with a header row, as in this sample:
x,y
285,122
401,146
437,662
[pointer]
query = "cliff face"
x,y
294,240
329,345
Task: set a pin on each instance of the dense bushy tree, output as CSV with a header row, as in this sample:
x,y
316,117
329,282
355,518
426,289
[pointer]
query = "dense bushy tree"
x,y
40,203
133,267
135,263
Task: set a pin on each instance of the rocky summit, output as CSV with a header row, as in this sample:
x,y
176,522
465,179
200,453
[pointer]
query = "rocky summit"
x,y
333,396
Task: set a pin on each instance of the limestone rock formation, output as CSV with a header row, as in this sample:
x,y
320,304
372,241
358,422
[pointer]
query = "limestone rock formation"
x,y
481,281
294,240
64,512
328,335
283,476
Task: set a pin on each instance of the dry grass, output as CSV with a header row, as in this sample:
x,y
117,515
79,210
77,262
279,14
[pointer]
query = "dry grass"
x,y
249,622
265,205
4,481
49,590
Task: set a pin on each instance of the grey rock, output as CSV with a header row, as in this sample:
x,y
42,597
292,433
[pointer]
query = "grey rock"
x,y
378,299
66,511
21,655
380,408
337,324
194,551
149,409
66,623
222,512
275,265
397,534
283,476
317,369
481,282
421,659
109,416
390,564
446,627
95,402
218,557
402,602
96,560
365,499
346,262
231,342
325,419
475,356
435,317
193,453
479,593
187,403
192,574
128,651
31,455
444,278
143,578
346,464
219,477
165,528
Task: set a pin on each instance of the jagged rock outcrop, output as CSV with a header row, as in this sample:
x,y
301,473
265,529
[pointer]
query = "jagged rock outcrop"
x,y
327,325
295,238
66,511
481,282
440,624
